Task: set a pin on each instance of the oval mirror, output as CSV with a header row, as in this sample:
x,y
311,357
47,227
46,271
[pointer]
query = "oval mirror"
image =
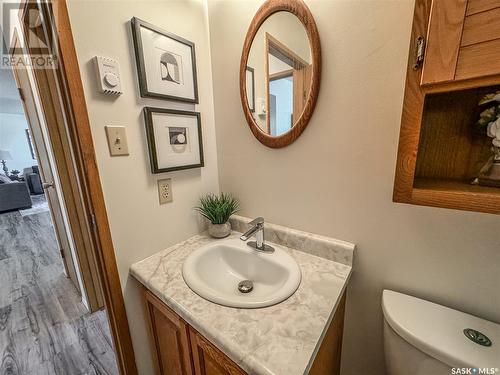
x,y
280,71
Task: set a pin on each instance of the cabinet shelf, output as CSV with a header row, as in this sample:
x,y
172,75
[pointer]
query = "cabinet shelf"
x,y
456,194
454,186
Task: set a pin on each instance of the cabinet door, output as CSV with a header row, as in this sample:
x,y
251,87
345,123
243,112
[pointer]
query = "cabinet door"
x,y
463,41
208,360
170,335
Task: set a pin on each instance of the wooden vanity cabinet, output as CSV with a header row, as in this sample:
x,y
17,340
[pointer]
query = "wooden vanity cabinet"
x,y
208,360
453,62
170,336
179,349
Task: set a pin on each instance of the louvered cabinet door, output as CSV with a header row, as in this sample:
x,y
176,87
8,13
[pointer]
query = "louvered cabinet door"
x,y
463,41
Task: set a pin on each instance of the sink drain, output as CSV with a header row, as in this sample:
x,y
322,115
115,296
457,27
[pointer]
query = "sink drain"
x,y
245,286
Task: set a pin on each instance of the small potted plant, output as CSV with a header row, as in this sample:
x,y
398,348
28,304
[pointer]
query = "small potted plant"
x,y
217,209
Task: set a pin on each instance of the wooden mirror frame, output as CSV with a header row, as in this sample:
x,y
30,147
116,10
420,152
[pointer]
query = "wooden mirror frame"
x,y
302,12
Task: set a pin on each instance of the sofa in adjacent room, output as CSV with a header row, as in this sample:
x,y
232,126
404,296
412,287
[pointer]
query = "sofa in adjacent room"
x,y
14,195
32,177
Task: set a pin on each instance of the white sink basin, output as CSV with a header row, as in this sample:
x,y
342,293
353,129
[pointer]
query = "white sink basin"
x,y
215,270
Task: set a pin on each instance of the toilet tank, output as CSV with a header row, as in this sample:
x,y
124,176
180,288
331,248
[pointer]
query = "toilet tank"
x,y
402,358
422,337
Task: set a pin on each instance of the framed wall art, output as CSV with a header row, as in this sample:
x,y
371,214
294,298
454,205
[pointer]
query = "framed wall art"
x,y
174,139
166,63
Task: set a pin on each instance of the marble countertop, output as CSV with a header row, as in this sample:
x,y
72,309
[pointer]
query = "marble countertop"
x,y
278,340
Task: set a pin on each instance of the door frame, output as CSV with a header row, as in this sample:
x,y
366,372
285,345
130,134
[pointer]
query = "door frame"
x,y
59,121
68,100
31,114
279,50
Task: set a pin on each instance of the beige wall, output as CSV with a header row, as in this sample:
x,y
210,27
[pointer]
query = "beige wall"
x,y
139,225
337,178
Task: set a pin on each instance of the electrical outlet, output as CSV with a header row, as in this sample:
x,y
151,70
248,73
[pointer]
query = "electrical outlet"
x,y
165,190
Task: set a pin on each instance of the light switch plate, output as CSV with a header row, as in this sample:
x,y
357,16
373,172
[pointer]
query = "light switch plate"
x,y
117,140
165,190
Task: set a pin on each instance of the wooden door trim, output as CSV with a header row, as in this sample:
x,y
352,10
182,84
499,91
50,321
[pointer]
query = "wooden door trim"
x,y
279,75
74,108
267,88
296,60
58,122
33,121
273,42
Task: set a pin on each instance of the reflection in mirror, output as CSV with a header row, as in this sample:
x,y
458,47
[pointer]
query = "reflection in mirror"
x,y
278,75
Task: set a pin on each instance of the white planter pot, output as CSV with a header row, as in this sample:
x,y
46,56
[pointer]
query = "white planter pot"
x,y
219,230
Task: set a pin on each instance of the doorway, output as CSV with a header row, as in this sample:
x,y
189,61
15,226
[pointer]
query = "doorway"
x,y
46,323
63,309
288,81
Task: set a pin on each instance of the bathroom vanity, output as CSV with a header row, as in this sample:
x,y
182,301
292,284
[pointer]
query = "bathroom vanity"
x,y
181,349
300,335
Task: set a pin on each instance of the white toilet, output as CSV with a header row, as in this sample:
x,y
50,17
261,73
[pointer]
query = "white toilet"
x,y
423,338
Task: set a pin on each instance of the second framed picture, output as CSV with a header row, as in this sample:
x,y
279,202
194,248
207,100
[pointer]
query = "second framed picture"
x,y
166,63
174,139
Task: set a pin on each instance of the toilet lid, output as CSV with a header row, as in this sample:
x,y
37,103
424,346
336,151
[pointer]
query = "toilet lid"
x,y
439,331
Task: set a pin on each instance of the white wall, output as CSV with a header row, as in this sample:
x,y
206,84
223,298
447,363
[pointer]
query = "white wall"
x,y
13,138
337,178
139,225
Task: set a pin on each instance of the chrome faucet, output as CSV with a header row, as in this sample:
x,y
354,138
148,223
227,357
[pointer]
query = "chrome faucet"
x,y
257,229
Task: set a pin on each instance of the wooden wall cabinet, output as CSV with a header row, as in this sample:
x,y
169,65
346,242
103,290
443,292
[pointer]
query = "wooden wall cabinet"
x,y
463,40
439,153
181,350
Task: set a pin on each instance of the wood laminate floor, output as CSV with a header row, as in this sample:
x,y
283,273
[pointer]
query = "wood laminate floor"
x,y
44,327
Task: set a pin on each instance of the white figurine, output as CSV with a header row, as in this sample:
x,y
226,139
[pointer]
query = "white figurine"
x,y
493,131
490,173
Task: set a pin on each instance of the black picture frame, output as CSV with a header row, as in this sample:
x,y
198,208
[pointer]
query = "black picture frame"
x,y
150,134
137,24
252,73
